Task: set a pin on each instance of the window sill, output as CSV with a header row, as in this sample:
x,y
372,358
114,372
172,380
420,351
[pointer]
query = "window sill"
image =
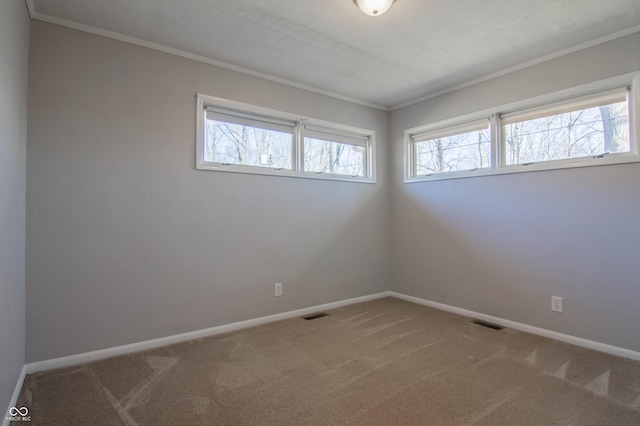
x,y
623,158
251,170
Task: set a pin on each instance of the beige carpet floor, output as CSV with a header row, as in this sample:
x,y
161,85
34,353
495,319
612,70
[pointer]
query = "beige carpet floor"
x,y
384,362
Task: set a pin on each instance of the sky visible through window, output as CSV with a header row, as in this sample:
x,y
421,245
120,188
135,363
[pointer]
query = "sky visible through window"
x,y
586,132
466,151
582,133
321,156
229,143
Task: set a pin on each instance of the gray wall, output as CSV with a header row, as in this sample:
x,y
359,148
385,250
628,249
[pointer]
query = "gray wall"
x,y
127,242
502,245
14,47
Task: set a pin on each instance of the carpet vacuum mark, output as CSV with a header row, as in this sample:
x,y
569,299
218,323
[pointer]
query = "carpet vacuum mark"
x,y
383,362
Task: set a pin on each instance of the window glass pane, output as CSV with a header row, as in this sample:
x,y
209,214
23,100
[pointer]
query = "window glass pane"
x,y
322,156
580,133
465,151
230,143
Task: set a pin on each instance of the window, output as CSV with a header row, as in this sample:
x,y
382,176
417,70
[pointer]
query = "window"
x,y
326,151
589,128
466,147
249,141
576,131
234,137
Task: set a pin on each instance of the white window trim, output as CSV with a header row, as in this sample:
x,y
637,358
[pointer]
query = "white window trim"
x,y
497,146
443,131
204,101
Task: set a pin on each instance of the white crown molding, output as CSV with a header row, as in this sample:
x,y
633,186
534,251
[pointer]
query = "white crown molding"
x,y
184,54
519,67
187,55
573,340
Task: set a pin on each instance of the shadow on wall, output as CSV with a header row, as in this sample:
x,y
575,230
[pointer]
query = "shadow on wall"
x,y
502,245
153,262
445,252
324,240
352,259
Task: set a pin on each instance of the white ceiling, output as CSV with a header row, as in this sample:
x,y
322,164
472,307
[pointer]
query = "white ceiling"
x,y
418,48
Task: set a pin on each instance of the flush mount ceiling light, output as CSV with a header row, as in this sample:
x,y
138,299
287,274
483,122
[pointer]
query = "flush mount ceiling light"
x,y
374,7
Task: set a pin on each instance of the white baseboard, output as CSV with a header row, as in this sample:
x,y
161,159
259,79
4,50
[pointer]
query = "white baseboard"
x,y
578,341
184,337
169,340
14,397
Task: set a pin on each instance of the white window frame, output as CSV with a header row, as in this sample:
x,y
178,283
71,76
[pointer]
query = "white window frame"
x,y
343,133
341,136
564,97
436,132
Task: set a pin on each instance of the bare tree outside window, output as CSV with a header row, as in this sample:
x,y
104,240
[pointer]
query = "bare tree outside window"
x,y
230,143
465,151
240,138
584,130
582,133
321,156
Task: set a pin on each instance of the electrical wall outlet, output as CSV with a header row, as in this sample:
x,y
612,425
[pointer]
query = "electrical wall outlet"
x,y
556,304
278,291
